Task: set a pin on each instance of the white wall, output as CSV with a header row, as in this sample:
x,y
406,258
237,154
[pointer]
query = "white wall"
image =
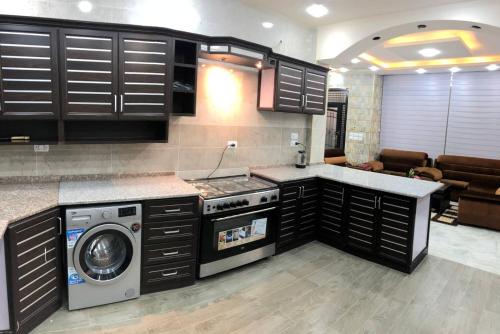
x,y
209,17
334,39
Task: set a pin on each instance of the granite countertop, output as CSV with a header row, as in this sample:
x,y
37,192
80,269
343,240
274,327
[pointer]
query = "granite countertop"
x,y
22,200
376,181
124,190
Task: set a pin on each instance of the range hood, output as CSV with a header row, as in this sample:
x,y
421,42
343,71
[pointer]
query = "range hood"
x,y
234,54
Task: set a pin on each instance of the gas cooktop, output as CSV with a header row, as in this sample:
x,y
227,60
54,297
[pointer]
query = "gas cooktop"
x,y
232,185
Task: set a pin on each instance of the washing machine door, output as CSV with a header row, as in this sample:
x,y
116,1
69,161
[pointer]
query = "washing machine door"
x,y
104,253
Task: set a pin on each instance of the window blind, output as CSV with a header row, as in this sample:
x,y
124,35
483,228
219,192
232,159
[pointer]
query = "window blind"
x,y
474,121
415,112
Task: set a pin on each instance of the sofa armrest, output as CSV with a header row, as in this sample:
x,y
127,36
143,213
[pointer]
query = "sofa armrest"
x,y
376,166
429,172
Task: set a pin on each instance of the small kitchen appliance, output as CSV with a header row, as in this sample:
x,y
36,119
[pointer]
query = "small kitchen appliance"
x,y
301,161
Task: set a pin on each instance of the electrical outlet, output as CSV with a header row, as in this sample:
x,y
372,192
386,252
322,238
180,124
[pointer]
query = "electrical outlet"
x,y
294,136
232,143
293,142
41,148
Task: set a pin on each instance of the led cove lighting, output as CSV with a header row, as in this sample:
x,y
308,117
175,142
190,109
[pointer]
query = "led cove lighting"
x,y
421,71
455,69
267,25
355,60
429,53
343,70
85,6
373,68
317,10
492,67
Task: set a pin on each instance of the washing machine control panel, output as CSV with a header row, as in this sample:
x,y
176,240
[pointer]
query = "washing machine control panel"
x,y
127,211
107,214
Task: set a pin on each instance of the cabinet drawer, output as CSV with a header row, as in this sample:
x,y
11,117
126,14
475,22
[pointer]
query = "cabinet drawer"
x,y
172,209
168,276
163,231
168,252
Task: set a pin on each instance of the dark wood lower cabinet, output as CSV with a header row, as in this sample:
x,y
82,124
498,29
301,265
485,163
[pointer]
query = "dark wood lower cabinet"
x,y
298,214
34,261
170,236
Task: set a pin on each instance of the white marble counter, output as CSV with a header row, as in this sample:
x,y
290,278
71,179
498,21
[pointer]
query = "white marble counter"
x,y
376,181
124,190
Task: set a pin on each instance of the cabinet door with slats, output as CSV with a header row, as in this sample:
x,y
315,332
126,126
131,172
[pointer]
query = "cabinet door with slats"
x,y
89,74
315,88
289,216
145,76
362,220
289,87
331,226
29,72
308,210
33,248
396,224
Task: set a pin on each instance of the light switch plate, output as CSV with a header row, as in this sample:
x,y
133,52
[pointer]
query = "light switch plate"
x,y
294,136
232,142
41,148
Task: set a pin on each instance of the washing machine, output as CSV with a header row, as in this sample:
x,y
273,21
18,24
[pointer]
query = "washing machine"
x,y
103,254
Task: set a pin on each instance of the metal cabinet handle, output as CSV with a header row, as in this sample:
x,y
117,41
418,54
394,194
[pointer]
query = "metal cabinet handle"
x,y
45,253
343,191
303,191
121,102
300,192
171,232
305,102
172,210
116,105
301,101
17,326
60,225
171,253
169,274
379,202
375,202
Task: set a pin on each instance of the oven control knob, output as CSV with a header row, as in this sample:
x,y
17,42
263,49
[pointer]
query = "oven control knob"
x,y
232,204
245,202
219,207
274,197
263,200
226,205
238,203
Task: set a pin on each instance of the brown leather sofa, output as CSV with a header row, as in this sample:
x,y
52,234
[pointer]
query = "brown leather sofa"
x,y
469,174
475,184
398,162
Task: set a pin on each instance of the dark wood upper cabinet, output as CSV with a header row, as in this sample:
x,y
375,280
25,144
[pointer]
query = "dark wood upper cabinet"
x,y
89,75
146,73
315,88
289,87
34,260
29,72
292,88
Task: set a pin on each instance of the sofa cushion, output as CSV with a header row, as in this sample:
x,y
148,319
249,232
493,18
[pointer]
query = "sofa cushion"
x,y
429,172
402,161
377,166
456,183
335,160
469,168
480,187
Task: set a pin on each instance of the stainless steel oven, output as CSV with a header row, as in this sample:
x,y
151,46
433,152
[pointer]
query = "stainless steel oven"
x,y
230,240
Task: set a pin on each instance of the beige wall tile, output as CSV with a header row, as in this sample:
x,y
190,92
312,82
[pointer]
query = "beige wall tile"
x,y
258,136
144,159
17,161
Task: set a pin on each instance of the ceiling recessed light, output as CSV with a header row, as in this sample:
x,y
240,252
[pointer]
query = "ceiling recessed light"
x,y
373,68
429,52
492,67
421,71
343,69
317,10
455,69
258,65
267,25
355,60
85,6
421,26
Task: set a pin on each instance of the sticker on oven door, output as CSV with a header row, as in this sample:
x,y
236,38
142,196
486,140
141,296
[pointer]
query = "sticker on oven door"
x,y
242,235
72,236
73,277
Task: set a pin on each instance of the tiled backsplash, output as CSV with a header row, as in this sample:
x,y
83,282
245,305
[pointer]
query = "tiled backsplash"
x,y
194,143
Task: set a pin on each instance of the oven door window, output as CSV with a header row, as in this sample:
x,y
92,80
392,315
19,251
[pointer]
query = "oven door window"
x,y
255,230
